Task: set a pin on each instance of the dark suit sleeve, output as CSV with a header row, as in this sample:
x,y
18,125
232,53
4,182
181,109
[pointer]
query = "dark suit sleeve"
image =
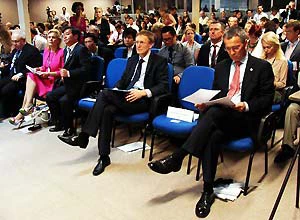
x,y
31,57
83,70
263,96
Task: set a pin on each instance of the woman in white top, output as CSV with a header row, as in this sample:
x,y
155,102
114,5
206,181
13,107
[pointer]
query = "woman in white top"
x,y
191,44
273,54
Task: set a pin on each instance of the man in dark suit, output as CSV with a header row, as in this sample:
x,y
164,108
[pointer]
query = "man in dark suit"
x,y
146,75
291,48
213,51
76,71
90,41
290,12
248,82
14,74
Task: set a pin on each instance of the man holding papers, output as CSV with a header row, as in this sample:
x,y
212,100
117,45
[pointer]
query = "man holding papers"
x,y
146,76
248,83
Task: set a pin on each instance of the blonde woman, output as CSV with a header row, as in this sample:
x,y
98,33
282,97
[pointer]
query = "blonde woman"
x,y
191,44
42,83
102,24
273,54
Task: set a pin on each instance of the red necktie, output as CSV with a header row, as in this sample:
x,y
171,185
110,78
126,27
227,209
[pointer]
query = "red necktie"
x,y
235,83
213,57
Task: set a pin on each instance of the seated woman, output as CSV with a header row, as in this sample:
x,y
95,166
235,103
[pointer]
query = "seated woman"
x,y
191,44
42,83
273,54
254,46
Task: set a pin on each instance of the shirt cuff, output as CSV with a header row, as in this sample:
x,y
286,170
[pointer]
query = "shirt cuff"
x,y
148,92
246,107
68,73
20,75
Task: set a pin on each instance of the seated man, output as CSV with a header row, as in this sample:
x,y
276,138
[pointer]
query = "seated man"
x,y
248,82
177,54
291,122
90,41
74,74
146,75
14,75
129,35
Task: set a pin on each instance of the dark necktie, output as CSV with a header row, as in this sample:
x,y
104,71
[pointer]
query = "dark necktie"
x,y
170,59
213,56
137,74
13,63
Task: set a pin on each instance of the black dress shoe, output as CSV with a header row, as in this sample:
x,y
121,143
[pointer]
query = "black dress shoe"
x,y
70,132
284,154
75,140
56,128
203,205
166,165
100,167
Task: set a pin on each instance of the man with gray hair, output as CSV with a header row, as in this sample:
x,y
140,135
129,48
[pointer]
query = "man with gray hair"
x,y
248,82
13,76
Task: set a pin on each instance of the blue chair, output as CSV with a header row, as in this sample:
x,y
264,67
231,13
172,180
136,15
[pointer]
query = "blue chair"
x,y
198,38
193,79
154,50
119,52
143,117
114,73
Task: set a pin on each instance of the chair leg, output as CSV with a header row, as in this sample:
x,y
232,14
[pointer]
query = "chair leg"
x,y
198,169
273,138
152,146
246,187
144,141
188,170
113,135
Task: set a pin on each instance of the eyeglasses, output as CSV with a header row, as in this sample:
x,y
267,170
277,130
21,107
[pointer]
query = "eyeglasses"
x,y
167,39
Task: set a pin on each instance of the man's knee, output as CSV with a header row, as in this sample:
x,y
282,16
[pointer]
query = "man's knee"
x,y
293,109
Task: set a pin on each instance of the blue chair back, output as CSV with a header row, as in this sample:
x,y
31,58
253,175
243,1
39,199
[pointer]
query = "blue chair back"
x,y
119,52
154,50
114,72
193,79
170,75
98,68
198,38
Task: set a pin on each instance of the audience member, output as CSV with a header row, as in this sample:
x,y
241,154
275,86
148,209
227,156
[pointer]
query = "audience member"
x,y
132,24
42,82
223,17
274,13
233,22
259,14
290,12
144,87
78,20
156,30
273,54
37,40
191,44
185,19
14,75
166,18
254,44
177,54
76,71
249,15
220,124
102,25
116,37
129,35
65,16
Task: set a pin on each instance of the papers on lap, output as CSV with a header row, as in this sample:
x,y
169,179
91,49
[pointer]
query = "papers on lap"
x,y
295,96
33,70
117,90
205,95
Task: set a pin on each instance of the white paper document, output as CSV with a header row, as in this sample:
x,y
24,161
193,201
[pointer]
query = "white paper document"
x,y
33,70
132,147
89,99
180,114
201,96
229,191
222,101
118,90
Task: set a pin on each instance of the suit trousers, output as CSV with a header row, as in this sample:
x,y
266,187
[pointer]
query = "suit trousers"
x,y
102,115
216,126
292,119
61,106
9,95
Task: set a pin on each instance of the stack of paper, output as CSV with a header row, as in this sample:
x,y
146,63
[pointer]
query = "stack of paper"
x,y
229,191
132,147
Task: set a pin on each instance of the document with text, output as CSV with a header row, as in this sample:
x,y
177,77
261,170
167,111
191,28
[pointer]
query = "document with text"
x,y
33,70
201,96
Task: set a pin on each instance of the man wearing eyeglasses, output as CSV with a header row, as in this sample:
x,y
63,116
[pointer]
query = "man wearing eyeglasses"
x,y
248,82
177,54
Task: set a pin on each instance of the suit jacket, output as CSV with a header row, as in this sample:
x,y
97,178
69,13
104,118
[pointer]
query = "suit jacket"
x,y
295,57
107,54
79,66
257,87
156,75
203,57
294,14
125,52
30,56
